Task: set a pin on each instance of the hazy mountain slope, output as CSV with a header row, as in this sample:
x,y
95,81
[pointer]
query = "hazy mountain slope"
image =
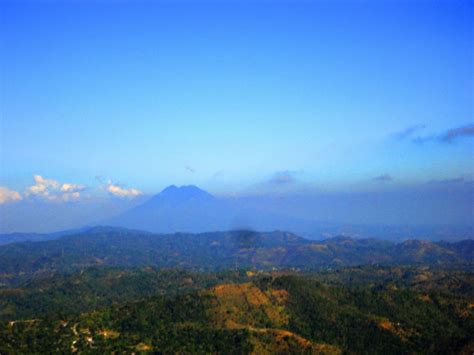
x,y
192,210
9,238
183,209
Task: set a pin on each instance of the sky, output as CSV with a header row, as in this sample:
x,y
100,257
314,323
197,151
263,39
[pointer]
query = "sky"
x,y
121,98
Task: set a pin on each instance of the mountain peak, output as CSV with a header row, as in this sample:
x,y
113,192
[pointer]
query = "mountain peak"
x,y
185,192
170,189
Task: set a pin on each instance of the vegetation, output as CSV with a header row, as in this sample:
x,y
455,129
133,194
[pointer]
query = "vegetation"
x,y
114,290
115,247
348,310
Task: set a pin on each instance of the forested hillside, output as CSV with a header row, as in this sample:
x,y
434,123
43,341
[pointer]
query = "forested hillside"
x,y
117,247
117,290
259,312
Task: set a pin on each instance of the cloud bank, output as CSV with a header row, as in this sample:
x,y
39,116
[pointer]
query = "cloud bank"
x,y
7,195
449,136
52,190
455,133
118,191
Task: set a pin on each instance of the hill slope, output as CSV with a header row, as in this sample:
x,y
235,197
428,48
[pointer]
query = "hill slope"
x,y
103,246
271,313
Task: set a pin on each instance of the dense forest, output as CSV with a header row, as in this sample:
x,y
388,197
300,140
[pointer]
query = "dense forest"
x,y
380,309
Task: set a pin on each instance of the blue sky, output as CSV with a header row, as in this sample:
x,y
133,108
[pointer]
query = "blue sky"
x,y
236,96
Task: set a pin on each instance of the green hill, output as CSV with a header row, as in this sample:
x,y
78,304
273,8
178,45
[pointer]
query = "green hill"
x,y
240,312
115,247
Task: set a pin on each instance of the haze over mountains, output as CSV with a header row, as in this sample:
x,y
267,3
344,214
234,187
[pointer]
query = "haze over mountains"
x,y
184,209
190,209
193,210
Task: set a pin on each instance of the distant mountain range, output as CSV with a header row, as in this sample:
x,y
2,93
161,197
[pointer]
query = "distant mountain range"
x,y
9,238
190,209
109,246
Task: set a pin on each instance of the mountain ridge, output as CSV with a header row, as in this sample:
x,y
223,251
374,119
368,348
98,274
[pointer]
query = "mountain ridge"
x,y
106,246
191,209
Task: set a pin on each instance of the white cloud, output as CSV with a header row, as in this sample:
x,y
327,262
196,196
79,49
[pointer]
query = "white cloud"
x,y
72,187
121,192
52,190
42,186
7,195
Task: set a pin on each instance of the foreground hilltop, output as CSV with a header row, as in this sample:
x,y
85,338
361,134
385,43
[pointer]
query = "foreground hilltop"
x,y
109,246
386,310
